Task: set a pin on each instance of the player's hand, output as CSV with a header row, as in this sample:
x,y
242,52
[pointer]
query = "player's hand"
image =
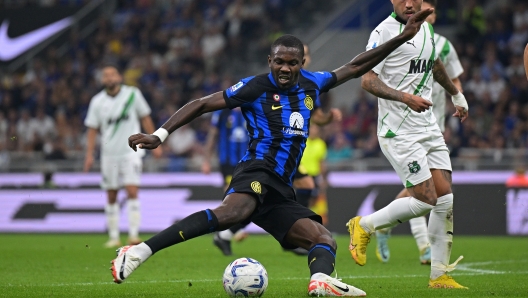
x,y
337,115
416,103
143,141
157,153
206,167
415,22
461,113
88,162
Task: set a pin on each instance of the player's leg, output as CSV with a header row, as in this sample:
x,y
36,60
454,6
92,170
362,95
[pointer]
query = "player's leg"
x,y
408,157
235,208
304,186
110,183
293,225
441,219
131,172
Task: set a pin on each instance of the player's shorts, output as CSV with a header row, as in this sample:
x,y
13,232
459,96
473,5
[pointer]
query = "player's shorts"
x,y
414,155
227,172
277,208
118,172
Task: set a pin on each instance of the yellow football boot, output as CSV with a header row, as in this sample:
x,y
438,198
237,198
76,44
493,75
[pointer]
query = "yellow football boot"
x,y
445,282
359,239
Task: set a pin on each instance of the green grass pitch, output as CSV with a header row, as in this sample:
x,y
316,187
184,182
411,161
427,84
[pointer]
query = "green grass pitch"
x,y
77,266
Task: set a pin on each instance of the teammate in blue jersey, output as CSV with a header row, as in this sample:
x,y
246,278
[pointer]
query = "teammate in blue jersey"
x,y
277,108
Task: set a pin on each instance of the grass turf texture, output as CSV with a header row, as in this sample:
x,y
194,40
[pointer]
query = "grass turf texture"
x,y
77,266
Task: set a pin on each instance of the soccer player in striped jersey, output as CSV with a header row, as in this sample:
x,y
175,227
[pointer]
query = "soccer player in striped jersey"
x,y
449,57
277,107
411,140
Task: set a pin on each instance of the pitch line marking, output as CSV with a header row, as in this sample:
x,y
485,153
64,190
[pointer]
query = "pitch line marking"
x,y
286,278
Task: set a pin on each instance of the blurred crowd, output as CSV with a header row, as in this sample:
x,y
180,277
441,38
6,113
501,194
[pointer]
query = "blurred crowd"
x,y
177,50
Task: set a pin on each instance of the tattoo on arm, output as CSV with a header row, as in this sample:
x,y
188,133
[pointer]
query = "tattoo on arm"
x,y
375,86
440,75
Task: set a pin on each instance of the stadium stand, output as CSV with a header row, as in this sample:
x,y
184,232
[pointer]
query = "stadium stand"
x,y
161,48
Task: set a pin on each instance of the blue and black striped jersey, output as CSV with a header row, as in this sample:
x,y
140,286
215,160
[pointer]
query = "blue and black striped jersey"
x,y
278,120
232,135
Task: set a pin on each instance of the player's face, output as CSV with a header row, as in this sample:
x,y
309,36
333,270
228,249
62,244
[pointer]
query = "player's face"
x,y
285,65
431,19
406,8
110,78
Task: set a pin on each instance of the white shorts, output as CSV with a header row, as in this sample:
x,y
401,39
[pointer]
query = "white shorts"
x,y
414,155
118,172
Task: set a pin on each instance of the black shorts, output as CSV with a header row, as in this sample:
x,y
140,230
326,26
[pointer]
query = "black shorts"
x,y
227,172
277,208
300,173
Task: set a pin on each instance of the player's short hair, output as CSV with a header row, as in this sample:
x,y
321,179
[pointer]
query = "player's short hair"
x,y
112,65
289,41
432,2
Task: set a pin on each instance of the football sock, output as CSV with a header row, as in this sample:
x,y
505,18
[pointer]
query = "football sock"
x,y
134,217
112,220
226,235
321,259
303,196
419,231
396,212
441,235
194,225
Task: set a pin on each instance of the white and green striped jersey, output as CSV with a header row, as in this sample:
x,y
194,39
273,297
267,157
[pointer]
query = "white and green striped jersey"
x,y
117,118
454,69
407,69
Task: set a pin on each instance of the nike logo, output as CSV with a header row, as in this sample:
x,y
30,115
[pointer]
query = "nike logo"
x,y
181,234
342,289
13,47
122,269
273,107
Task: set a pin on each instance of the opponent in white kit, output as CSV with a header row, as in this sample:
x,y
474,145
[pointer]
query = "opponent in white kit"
x,y
411,140
446,52
117,112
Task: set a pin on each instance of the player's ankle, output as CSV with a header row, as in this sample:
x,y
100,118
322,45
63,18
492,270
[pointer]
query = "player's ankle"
x,y
143,251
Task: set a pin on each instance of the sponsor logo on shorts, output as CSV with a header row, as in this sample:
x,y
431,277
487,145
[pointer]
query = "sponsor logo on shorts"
x,y
255,186
308,102
414,167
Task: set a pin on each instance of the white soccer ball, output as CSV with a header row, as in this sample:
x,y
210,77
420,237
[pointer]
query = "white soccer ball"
x,y
245,277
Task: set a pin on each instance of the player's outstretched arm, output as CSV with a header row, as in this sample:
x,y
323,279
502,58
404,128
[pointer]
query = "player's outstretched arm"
x,y
186,114
365,61
371,83
440,75
526,61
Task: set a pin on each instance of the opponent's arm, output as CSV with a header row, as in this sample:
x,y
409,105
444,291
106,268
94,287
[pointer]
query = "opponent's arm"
x,y
440,75
186,114
91,135
209,145
526,61
365,61
371,83
321,118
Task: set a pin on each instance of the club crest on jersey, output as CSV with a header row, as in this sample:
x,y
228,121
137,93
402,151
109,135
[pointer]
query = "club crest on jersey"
x,y
414,167
276,97
308,102
237,86
256,187
296,120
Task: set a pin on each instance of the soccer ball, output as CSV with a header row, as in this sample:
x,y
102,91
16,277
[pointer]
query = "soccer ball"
x,y
245,277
